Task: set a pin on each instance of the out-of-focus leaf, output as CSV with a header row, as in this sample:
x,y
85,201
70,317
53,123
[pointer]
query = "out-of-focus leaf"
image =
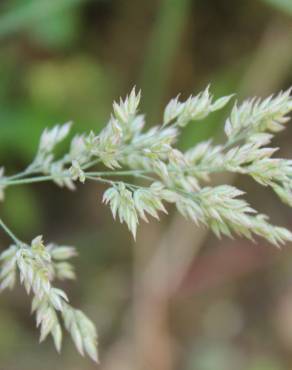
x,y
58,31
24,14
22,210
20,127
77,88
284,5
163,46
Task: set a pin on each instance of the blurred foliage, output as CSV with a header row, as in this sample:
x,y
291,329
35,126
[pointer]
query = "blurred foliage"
x,y
51,22
163,46
284,5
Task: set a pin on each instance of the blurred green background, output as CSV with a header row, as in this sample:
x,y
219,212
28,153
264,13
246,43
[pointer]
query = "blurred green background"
x,y
178,298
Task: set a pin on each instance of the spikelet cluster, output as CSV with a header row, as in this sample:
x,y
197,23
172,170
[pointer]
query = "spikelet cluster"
x,y
37,267
175,176
159,174
182,175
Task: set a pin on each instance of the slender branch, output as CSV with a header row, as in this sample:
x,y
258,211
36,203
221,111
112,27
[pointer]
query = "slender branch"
x,y
28,171
136,173
21,181
99,179
111,182
28,180
11,234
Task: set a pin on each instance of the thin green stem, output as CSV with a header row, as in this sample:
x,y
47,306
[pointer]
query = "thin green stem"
x,y
21,181
91,164
117,173
136,173
30,170
99,179
11,234
111,182
19,175
30,180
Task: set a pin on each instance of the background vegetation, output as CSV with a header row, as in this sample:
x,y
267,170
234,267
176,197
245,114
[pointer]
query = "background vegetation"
x,y
178,298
